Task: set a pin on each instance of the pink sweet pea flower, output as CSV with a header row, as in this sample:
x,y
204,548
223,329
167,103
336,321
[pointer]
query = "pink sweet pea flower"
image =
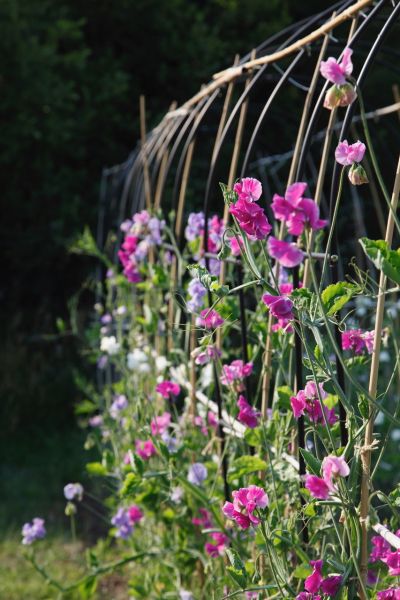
x,y
307,401
202,355
251,219
393,562
245,502
307,596
296,211
248,189
334,467
236,245
337,72
247,414
134,513
317,487
205,520
389,594
330,586
168,388
145,449
235,373
159,425
212,419
280,306
357,339
313,581
339,95
380,549
218,548
210,319
346,154
286,253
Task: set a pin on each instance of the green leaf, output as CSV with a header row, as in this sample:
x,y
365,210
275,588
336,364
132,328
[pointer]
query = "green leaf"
x,y
383,257
312,463
336,295
302,571
88,588
284,395
96,468
245,465
130,485
237,569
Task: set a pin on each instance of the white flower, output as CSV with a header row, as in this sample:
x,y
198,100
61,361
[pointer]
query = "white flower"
x,y
138,361
161,363
110,345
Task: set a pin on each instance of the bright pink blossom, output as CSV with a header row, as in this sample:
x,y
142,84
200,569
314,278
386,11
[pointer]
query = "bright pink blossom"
x,y
134,513
168,388
389,594
286,253
245,502
295,211
307,402
393,562
337,72
317,487
330,586
280,306
380,549
212,419
235,373
205,520
247,414
145,449
313,581
357,339
248,189
334,467
251,219
210,319
346,154
159,425
236,245
221,541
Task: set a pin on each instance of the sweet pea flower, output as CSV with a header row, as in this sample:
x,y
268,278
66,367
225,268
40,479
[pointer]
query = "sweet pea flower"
x,y
96,421
210,319
119,403
357,339
389,594
307,596
137,360
245,502
197,474
177,494
109,345
346,154
134,513
73,491
380,549
221,541
334,467
123,524
339,95
145,449
168,388
296,211
307,402
247,414
197,292
337,72
205,520
236,245
392,560
185,595
204,355
159,425
330,586
33,531
317,487
287,254
235,373
248,189
251,218
280,306
313,581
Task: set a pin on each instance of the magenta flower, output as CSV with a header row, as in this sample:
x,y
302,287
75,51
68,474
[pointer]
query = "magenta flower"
x,y
346,154
205,520
248,189
389,594
221,541
313,581
212,419
135,514
380,549
337,72
317,487
251,219
286,253
235,373
330,586
393,562
159,425
168,388
307,596
280,306
204,355
247,414
145,449
357,339
245,502
210,319
295,211
236,245
307,402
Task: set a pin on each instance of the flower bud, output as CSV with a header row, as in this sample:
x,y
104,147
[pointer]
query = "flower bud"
x,y
70,509
357,175
348,94
339,95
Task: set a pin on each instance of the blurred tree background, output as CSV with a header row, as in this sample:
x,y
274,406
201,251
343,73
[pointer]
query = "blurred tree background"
x,y
71,75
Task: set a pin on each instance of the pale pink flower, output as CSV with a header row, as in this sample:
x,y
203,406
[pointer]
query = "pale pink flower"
x,y
337,72
334,467
286,253
235,373
339,95
296,211
346,154
210,319
245,502
159,425
204,355
248,189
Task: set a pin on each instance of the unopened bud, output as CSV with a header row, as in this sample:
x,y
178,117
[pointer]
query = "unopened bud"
x,y
70,509
357,175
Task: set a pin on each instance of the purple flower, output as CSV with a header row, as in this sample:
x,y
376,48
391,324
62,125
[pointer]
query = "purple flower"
x,y
330,586
337,72
197,474
195,226
389,594
346,154
120,403
286,253
96,421
33,531
73,491
122,522
196,291
280,306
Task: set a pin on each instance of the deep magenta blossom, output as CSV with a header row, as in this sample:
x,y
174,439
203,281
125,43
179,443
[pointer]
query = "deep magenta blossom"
x,y
145,449
317,487
217,548
380,549
330,586
296,211
205,520
160,424
337,72
313,581
307,402
135,514
392,559
357,339
210,319
168,388
346,154
248,189
245,502
235,373
286,253
280,306
247,414
389,594
251,218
